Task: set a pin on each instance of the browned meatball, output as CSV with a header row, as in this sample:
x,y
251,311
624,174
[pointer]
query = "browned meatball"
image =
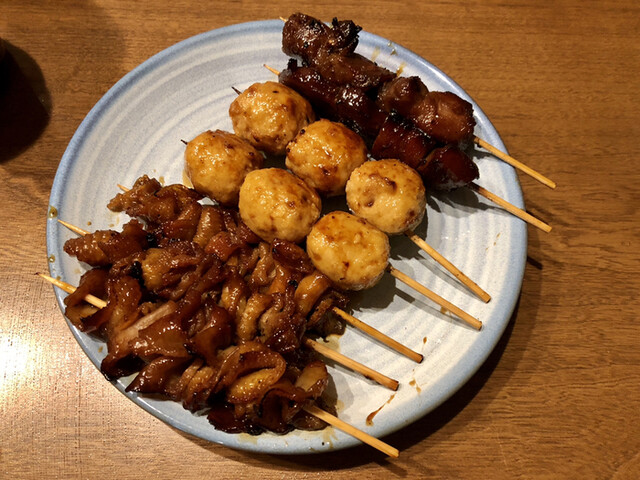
x,y
389,194
324,154
276,204
217,162
349,250
269,115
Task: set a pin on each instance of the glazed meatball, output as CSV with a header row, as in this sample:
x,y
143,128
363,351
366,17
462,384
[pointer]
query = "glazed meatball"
x,y
276,204
217,162
389,194
269,115
349,250
324,154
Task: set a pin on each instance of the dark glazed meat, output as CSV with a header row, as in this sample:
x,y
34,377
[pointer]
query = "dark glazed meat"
x,y
343,103
205,312
330,49
443,115
304,36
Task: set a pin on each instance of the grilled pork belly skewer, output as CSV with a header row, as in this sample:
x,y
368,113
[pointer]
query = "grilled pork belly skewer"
x,y
331,50
313,410
442,168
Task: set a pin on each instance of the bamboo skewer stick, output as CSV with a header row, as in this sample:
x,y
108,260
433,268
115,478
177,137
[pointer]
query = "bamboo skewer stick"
x,y
73,228
354,432
351,364
390,342
470,284
518,212
514,163
474,322
91,299
313,410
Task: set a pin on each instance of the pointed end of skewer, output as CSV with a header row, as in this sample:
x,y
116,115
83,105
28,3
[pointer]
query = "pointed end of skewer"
x,y
238,92
418,287
73,228
514,163
271,69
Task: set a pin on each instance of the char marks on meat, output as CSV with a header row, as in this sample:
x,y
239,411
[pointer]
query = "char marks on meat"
x,y
330,50
205,312
443,115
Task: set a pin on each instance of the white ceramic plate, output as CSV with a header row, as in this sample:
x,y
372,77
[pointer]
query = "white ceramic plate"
x,y
136,128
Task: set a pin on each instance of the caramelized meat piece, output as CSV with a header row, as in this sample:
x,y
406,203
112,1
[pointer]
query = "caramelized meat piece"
x,y
105,247
448,168
304,36
442,115
155,204
346,104
330,49
443,168
400,139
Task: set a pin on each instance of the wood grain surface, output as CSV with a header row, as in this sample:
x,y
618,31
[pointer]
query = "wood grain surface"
x,y
560,395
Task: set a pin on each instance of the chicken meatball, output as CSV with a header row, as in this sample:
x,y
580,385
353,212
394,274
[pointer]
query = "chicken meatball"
x,y
269,115
389,194
276,204
217,162
349,250
324,154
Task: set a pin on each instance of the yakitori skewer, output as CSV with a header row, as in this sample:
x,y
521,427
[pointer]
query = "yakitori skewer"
x,y
518,212
354,254
313,410
391,195
308,342
314,345
330,48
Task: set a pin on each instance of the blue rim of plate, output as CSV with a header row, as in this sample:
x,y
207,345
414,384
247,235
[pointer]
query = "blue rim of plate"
x,y
304,442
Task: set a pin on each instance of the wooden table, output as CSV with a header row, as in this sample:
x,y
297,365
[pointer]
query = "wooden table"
x,y
560,395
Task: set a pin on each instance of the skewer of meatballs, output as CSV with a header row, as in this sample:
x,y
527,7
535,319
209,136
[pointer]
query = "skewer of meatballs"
x,y
325,154
330,51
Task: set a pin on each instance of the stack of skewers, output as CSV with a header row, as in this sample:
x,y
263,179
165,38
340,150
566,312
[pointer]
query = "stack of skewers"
x,y
396,176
